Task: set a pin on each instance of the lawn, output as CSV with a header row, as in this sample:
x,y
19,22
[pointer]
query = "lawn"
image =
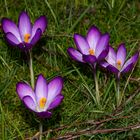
x,y
77,117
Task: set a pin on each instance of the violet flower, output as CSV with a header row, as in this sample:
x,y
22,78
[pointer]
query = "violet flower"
x,y
116,62
90,49
44,97
24,36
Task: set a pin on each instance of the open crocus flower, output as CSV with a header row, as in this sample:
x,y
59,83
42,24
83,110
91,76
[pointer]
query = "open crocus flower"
x,y
116,62
92,48
45,97
25,35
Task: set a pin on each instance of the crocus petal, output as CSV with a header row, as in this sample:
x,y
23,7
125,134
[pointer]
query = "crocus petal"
x,y
102,44
12,39
130,63
41,88
104,64
103,55
23,90
36,37
111,57
89,59
25,46
24,24
29,103
54,89
58,99
10,26
112,69
46,114
75,55
81,44
121,54
93,37
40,23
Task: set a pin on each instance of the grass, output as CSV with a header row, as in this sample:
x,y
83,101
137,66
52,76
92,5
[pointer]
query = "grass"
x,y
120,18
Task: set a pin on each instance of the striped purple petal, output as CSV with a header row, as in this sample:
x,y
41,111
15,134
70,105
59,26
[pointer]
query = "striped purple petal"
x,y
24,24
58,99
130,63
36,37
112,69
75,55
40,23
54,89
29,103
11,39
93,37
23,90
103,54
121,54
89,59
102,44
41,88
45,114
10,27
81,44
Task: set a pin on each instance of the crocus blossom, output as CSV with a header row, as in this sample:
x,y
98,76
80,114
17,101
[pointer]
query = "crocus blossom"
x,y
116,62
24,35
90,49
44,97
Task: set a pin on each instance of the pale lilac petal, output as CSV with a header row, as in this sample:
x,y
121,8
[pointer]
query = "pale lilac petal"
x,y
103,54
24,24
29,103
130,63
54,89
111,57
41,88
36,37
58,99
121,54
75,55
112,69
104,64
40,23
11,39
89,59
93,37
10,26
81,44
23,90
102,44
45,114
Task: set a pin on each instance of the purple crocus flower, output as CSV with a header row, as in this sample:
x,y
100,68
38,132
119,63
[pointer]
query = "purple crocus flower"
x,y
45,97
92,48
24,35
116,62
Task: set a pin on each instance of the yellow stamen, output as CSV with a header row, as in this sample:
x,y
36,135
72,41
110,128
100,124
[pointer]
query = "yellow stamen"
x,y
26,38
42,102
119,62
91,52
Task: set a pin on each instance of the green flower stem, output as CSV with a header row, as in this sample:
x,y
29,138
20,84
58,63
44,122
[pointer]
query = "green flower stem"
x,y
40,130
118,92
96,85
31,69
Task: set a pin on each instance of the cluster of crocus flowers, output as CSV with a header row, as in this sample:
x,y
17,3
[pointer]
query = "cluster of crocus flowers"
x,y
95,49
45,96
24,36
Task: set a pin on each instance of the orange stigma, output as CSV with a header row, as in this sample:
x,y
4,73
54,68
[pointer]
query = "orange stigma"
x,y
42,102
119,62
26,38
91,52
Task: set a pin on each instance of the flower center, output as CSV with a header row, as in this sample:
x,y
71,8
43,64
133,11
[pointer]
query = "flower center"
x,y
26,38
119,62
42,102
91,52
